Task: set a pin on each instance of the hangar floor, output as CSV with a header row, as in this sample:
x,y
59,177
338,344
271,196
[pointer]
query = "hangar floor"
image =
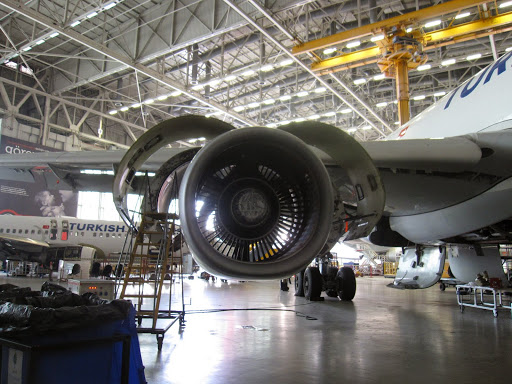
x,y
256,333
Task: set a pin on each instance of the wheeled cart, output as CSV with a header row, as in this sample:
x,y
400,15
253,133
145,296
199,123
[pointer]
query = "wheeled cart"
x,y
487,298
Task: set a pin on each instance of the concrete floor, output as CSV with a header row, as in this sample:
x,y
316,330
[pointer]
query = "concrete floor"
x,y
383,336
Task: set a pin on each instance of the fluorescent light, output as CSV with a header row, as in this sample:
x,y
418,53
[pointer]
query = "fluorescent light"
x,y
284,122
249,72
354,44
377,37
397,123
424,67
379,77
212,114
302,93
112,112
328,51
54,34
440,94
75,23
214,83
381,105
239,108
420,97
39,42
272,125
320,90
124,109
448,62
136,105
269,101
408,30
508,49
505,4
109,5
329,114
433,23
313,117
163,97
267,68
230,78
462,15
197,87
285,97
351,130
366,127
346,110
92,14
27,48
286,62
253,104
175,93
476,56
149,101
359,81
299,119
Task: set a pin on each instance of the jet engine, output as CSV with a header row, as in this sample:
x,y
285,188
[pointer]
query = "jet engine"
x,y
258,203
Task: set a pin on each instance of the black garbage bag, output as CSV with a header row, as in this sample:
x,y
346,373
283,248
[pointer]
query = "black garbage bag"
x,y
30,312
51,289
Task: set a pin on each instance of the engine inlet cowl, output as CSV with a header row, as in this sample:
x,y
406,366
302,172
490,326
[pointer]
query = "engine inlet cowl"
x,y
255,203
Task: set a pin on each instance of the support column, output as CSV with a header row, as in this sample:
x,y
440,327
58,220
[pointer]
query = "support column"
x,y
402,90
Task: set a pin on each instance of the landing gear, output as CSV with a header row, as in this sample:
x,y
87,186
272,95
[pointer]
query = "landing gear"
x,y
299,284
346,284
442,287
312,284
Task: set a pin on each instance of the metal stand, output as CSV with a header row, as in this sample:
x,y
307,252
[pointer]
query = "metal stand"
x,y
475,296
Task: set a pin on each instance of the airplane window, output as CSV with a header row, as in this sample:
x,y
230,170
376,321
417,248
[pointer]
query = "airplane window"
x,y
46,232
13,231
94,234
26,231
7,230
101,234
1,230
32,231
38,231
83,234
106,235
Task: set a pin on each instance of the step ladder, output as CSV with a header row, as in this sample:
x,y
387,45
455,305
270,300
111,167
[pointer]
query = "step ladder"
x,y
152,261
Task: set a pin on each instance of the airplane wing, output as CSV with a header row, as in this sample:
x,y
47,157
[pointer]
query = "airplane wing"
x,y
19,240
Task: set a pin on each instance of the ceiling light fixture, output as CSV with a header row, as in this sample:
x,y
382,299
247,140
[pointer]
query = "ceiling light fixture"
x,y
286,62
381,105
476,56
380,76
320,90
424,67
359,81
328,51
302,93
419,97
448,62
462,15
354,44
505,4
433,23
285,97
440,94
377,38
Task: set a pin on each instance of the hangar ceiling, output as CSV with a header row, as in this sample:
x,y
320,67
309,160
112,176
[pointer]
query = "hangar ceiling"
x,y
105,71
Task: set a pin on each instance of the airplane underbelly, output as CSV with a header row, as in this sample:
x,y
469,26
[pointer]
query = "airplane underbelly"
x,y
483,210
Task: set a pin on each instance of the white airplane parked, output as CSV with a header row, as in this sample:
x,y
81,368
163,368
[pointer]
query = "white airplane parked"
x,y
259,203
30,237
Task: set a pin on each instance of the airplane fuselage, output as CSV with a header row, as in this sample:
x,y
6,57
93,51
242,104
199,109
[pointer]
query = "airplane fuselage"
x,y
107,236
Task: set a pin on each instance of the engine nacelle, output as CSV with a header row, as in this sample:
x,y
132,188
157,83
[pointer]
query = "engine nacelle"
x,y
258,203
255,203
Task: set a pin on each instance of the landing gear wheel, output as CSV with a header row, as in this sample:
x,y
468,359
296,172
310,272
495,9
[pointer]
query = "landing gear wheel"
x,y
346,284
442,287
299,284
312,283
